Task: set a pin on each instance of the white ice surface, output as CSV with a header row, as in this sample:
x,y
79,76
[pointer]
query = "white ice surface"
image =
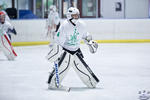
x,y
123,71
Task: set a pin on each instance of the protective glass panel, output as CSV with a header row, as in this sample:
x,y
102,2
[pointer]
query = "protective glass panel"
x,y
7,4
149,8
47,4
65,7
39,8
67,4
88,7
73,3
23,4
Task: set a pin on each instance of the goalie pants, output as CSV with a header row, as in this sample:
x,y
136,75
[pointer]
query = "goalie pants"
x,y
6,47
74,59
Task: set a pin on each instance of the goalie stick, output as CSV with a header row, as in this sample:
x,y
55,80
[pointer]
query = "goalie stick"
x,y
59,87
57,74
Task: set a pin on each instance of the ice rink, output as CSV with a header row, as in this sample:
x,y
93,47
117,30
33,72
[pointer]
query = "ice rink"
x,y
123,70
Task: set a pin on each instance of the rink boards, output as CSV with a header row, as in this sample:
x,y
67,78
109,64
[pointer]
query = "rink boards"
x,y
98,41
33,32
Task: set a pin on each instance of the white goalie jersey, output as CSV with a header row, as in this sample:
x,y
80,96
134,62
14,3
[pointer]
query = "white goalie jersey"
x,y
4,27
51,24
69,36
53,18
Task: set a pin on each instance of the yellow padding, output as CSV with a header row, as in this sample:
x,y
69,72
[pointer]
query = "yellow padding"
x,y
30,43
98,41
124,41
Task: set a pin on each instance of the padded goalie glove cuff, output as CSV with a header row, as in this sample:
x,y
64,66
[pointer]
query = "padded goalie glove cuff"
x,y
92,46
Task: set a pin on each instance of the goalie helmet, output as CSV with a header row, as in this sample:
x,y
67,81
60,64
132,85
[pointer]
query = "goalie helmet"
x,y
52,8
2,13
2,17
73,15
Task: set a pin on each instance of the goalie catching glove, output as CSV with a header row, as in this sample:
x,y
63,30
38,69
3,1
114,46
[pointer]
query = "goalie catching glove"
x,y
91,44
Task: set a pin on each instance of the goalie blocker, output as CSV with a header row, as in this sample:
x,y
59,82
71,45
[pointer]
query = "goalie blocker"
x,y
74,59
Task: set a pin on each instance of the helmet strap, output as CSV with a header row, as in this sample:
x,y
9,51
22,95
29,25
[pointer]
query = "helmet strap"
x,y
72,22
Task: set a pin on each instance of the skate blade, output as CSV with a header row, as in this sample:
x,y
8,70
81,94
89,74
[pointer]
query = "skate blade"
x,y
64,88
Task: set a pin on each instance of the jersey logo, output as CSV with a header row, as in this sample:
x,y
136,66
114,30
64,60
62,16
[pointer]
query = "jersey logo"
x,y
73,38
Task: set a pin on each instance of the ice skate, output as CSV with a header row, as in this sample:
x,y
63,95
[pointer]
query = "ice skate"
x,y
60,87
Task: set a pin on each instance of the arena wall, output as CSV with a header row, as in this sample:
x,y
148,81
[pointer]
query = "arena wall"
x,y
103,30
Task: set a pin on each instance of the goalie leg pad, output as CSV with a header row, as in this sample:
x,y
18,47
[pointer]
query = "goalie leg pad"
x,y
54,53
84,72
7,47
63,67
